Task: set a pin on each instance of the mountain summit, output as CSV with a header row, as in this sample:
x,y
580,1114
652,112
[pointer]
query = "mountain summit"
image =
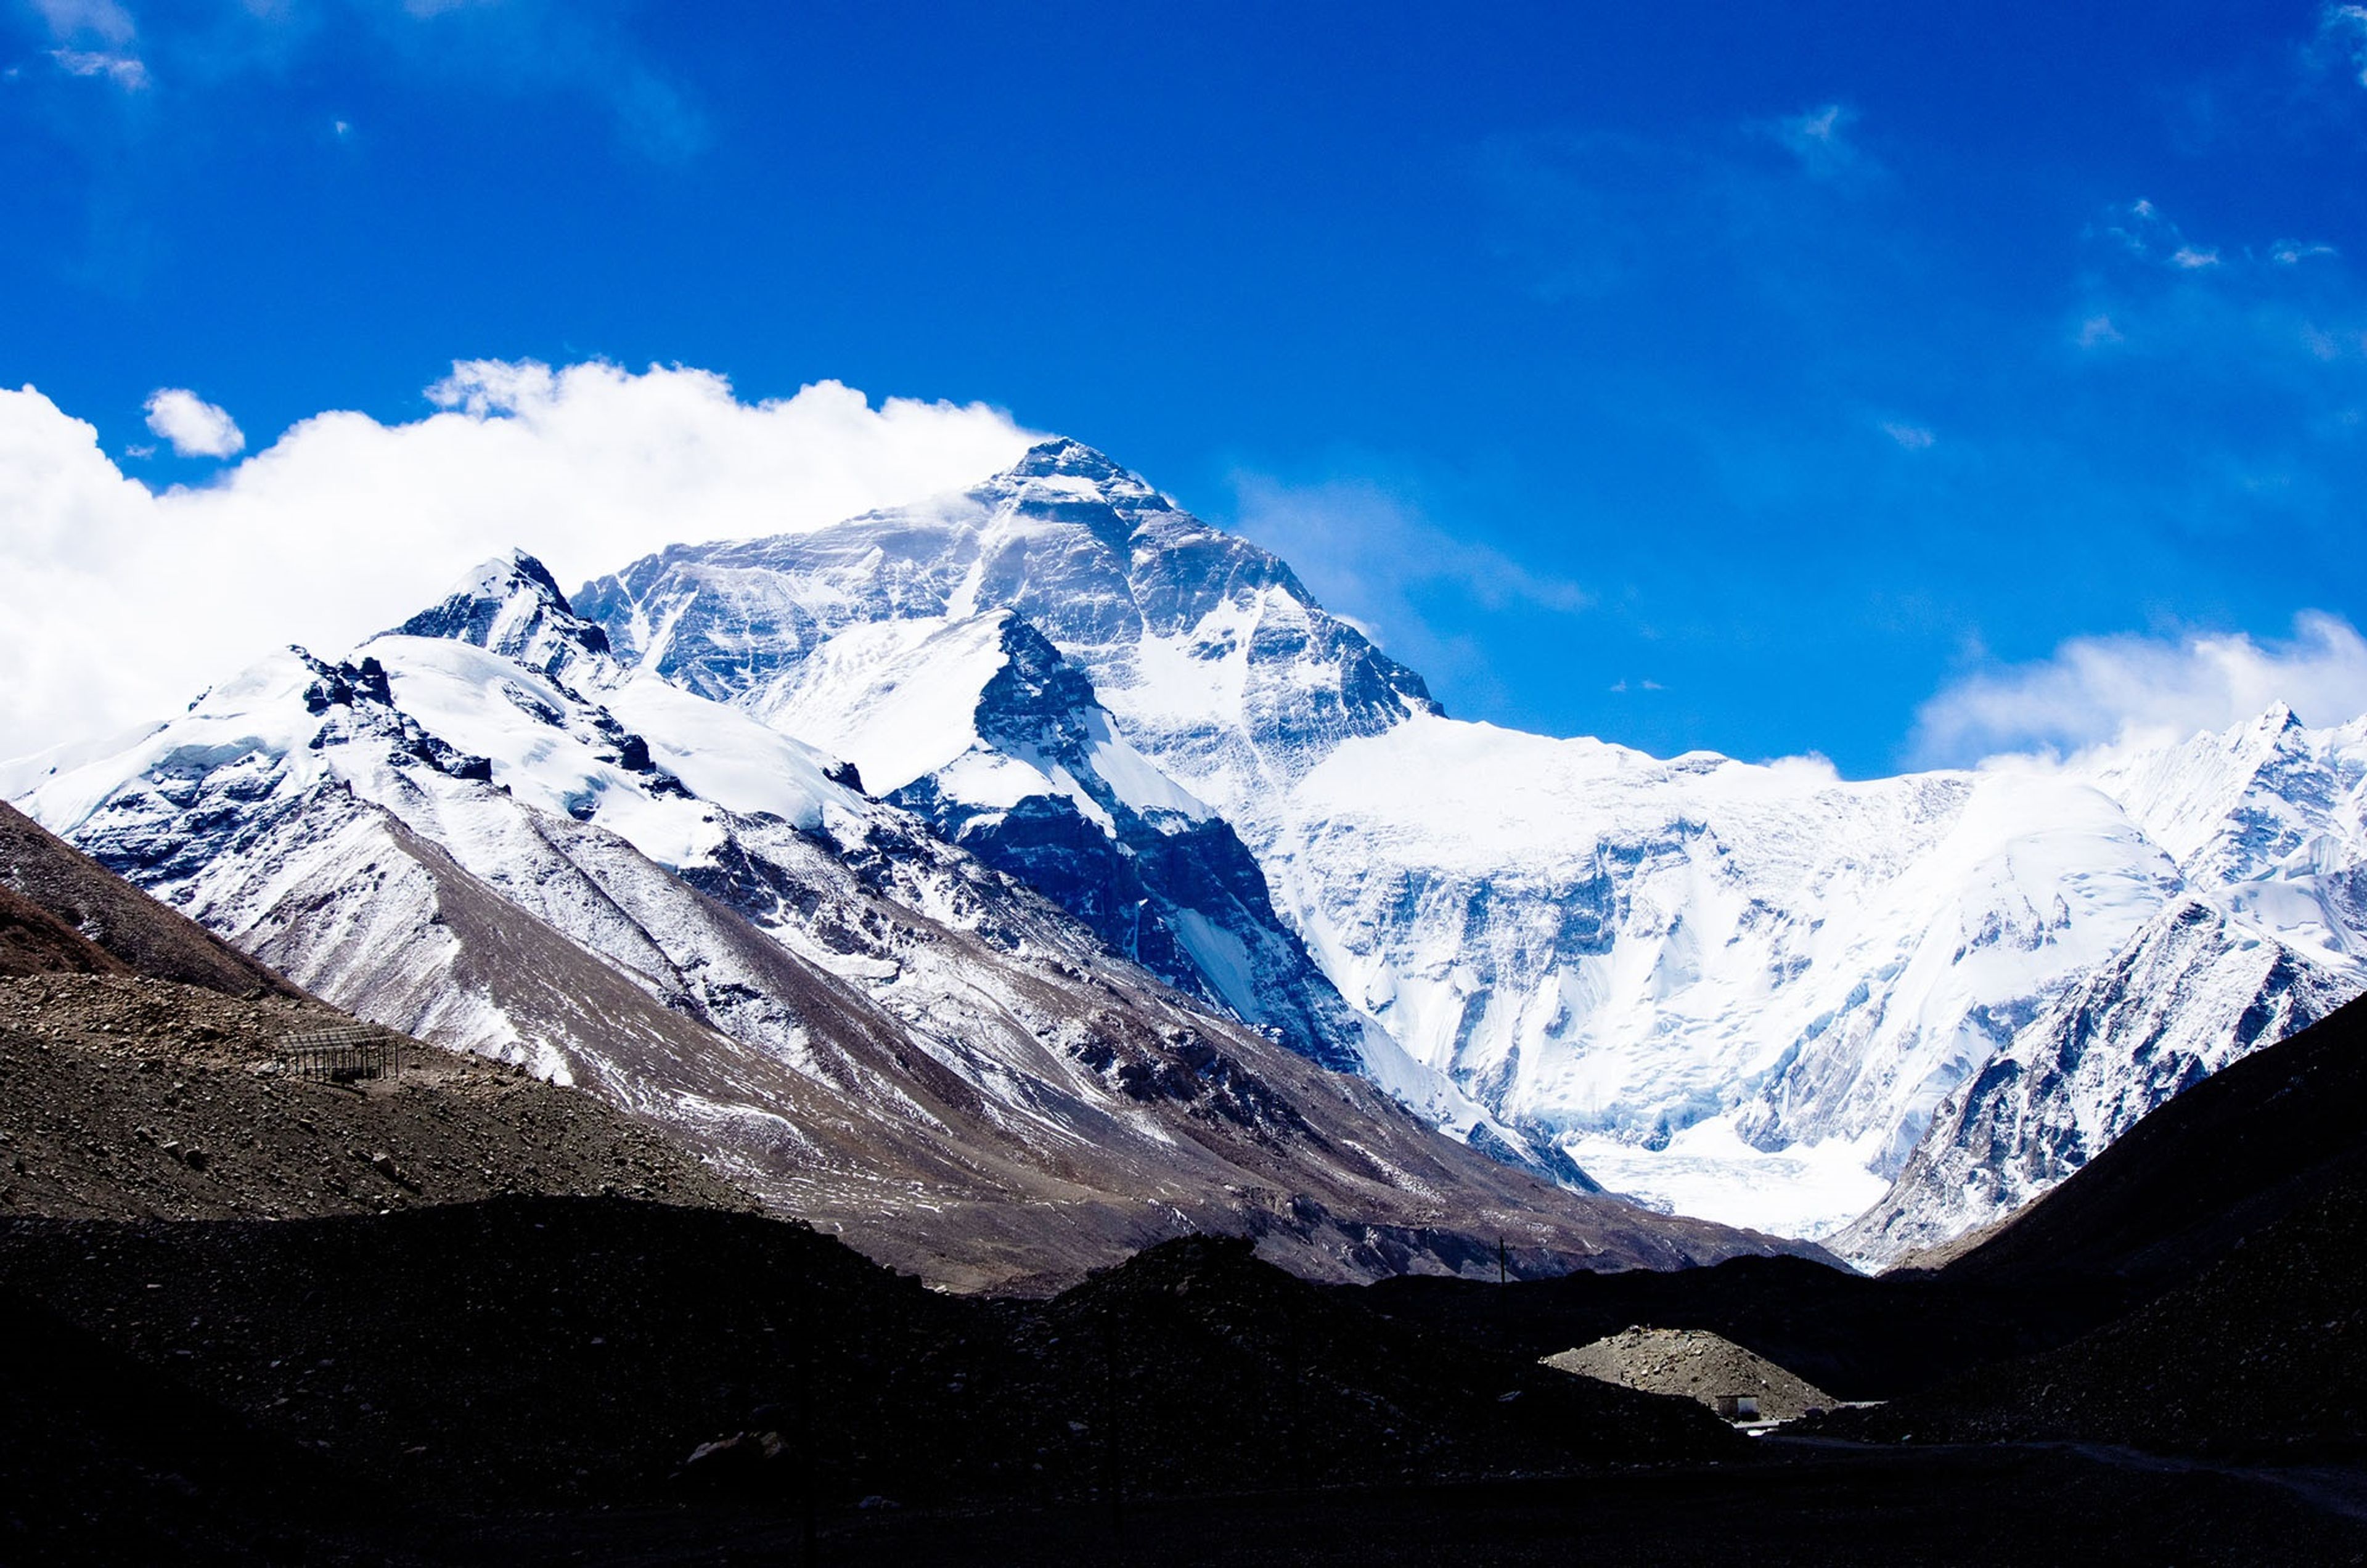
x,y
1738,989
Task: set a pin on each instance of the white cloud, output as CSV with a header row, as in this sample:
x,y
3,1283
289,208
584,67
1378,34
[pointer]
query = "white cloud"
x,y
2101,690
124,71
195,427
1914,438
103,19
117,605
2291,252
2144,230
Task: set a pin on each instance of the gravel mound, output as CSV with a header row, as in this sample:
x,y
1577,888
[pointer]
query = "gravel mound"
x,y
1693,1365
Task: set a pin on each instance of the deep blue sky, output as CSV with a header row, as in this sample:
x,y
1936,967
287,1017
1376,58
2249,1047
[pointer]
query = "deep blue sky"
x,y
1796,360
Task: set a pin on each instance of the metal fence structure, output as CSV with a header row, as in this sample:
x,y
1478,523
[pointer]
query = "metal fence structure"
x,y
343,1055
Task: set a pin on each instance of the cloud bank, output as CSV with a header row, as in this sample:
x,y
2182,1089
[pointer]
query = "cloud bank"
x,y
2100,690
118,606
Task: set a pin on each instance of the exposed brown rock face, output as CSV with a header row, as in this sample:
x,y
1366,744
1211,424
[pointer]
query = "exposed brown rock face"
x,y
60,910
139,1079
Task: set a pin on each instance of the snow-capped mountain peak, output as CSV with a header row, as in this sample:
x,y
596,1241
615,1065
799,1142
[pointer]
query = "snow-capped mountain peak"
x,y
512,606
1062,470
2237,804
1745,990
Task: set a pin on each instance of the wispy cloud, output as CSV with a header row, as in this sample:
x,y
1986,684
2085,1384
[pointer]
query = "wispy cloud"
x,y
94,39
2095,332
125,71
101,19
2241,310
1370,554
2343,31
2142,231
2292,252
1914,438
2102,689
514,47
546,46
1779,207
1820,139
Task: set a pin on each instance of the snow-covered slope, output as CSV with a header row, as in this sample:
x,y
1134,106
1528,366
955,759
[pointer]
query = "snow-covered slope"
x,y
2194,991
879,638
2267,823
981,729
1739,990
568,863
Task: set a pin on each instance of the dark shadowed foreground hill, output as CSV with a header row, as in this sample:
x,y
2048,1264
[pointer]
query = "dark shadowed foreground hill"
x,y
2195,1190
2236,1209
608,1339
2262,1357
547,1380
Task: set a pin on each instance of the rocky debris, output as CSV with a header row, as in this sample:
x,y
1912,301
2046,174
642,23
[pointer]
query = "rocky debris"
x,y
124,1098
1697,1366
609,1339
